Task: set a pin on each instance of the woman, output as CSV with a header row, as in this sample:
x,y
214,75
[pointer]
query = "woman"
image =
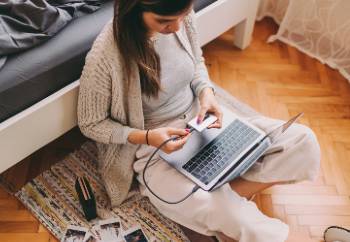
x,y
143,80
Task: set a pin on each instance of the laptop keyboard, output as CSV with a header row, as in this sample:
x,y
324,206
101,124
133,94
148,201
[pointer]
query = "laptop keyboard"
x,y
212,159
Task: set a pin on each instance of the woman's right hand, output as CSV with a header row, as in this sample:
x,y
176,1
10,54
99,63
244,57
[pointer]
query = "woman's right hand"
x,y
157,136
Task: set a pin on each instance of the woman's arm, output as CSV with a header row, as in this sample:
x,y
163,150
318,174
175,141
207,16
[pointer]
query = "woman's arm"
x,y
201,78
137,136
201,84
94,103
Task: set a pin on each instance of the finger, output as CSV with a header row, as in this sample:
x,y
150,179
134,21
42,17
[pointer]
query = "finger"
x,y
180,142
179,132
201,114
216,124
220,117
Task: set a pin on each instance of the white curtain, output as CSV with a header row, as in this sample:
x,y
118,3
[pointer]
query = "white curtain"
x,y
319,28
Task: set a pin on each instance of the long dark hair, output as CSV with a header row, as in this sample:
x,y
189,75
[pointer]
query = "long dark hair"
x,y
133,41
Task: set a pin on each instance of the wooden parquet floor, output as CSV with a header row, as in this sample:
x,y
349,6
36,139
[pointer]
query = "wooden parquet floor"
x,y
277,80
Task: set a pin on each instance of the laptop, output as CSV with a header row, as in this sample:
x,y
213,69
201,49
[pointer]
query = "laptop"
x,y
214,157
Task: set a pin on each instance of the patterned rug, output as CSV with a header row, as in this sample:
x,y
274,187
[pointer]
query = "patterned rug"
x,y
51,196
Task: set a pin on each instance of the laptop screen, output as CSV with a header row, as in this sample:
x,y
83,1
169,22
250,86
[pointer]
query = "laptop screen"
x,y
275,133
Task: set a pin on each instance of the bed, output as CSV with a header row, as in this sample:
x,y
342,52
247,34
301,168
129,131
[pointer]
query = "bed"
x,y
39,87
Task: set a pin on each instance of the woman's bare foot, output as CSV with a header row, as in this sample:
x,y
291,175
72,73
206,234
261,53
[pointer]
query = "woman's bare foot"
x,y
247,189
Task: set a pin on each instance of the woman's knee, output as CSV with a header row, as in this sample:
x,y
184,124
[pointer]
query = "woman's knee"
x,y
310,148
310,142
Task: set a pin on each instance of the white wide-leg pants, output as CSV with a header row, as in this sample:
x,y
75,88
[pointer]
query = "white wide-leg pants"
x,y
294,157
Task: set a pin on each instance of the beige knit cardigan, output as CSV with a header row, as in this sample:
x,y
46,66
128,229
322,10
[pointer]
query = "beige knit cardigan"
x,y
108,111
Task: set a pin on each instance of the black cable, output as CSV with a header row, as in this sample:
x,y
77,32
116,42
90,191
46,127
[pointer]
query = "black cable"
x,y
195,188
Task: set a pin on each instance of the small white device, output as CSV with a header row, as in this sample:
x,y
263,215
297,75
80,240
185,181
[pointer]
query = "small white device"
x,y
208,120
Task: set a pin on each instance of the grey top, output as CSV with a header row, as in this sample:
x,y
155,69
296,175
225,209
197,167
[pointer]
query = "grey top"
x,y
177,72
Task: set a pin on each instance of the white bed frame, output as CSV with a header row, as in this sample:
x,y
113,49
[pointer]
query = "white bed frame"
x,y
38,125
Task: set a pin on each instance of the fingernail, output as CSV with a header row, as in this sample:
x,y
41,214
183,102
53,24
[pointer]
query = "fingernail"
x,y
187,130
198,120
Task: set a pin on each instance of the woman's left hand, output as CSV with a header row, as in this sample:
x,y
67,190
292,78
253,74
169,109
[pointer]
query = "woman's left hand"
x,y
209,104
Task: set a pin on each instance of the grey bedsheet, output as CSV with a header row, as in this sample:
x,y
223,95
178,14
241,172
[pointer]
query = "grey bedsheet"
x,y
27,23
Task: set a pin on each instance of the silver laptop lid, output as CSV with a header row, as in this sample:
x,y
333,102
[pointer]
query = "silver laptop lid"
x,y
275,133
